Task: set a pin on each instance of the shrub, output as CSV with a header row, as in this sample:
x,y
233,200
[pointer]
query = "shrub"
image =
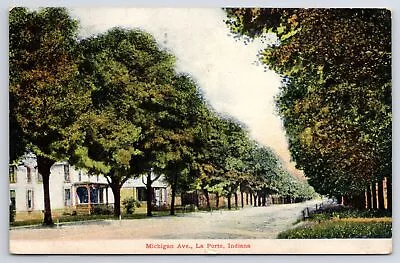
x,y
190,208
341,229
346,212
320,216
163,207
102,210
130,204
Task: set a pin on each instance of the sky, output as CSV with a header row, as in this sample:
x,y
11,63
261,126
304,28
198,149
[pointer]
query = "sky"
x,y
225,69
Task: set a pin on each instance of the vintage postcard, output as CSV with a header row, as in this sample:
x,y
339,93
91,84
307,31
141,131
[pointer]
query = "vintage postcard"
x,y
200,130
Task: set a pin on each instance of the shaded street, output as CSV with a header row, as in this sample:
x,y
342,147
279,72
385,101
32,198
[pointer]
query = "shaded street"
x,y
247,223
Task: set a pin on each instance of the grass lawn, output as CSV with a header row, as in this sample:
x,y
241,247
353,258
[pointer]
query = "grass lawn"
x,y
343,223
139,213
372,228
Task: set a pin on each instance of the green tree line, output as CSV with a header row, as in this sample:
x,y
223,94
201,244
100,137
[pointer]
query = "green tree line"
x,y
114,105
335,99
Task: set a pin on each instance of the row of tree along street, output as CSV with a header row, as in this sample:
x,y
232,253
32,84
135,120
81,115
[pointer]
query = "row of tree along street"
x,y
335,100
114,105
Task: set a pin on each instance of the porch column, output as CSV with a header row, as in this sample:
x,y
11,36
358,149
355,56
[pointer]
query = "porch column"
x,y
75,196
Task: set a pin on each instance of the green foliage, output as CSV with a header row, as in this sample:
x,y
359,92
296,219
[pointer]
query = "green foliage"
x,y
340,229
46,94
335,100
130,79
102,210
346,212
130,204
320,216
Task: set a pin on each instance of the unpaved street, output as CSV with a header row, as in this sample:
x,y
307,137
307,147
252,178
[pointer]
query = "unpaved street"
x,y
246,231
247,223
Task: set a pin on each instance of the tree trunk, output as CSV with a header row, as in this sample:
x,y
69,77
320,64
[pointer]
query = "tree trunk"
x,y
236,199
172,209
116,189
149,195
381,201
255,200
264,201
44,164
389,193
229,201
173,194
247,198
358,201
207,199
344,200
362,201
251,199
374,199
216,200
369,197
241,199
259,200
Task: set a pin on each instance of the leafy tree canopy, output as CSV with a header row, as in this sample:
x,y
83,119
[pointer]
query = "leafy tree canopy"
x,y
335,100
45,92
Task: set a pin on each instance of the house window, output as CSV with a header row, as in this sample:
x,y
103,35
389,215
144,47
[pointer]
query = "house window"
x,y
83,196
28,174
29,199
12,174
94,194
141,194
80,176
67,197
97,178
12,199
66,173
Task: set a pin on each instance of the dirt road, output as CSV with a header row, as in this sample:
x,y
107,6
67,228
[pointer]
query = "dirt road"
x,y
247,223
247,231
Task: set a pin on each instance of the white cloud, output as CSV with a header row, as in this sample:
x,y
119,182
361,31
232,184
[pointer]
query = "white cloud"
x,y
225,69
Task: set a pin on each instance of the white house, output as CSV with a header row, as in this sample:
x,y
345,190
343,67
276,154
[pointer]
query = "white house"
x,y
70,189
138,188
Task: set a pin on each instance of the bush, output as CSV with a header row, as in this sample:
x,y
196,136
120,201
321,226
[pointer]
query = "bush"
x,y
353,213
130,204
341,229
190,208
163,207
102,210
346,212
320,217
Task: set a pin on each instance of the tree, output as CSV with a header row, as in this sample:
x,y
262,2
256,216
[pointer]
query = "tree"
x,y
107,149
264,166
131,79
185,111
235,152
46,95
336,97
208,141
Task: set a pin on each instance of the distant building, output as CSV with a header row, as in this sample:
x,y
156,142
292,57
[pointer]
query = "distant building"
x,y
71,190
